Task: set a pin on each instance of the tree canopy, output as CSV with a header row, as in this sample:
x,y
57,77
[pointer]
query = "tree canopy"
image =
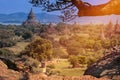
x,y
70,7
40,49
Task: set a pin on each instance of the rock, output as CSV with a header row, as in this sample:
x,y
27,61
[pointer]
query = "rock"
x,y
7,74
10,64
108,66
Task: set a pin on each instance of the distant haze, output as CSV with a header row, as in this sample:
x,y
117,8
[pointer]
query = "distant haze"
x,y
11,6
98,19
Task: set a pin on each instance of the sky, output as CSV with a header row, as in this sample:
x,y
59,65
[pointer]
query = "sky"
x,y
11,6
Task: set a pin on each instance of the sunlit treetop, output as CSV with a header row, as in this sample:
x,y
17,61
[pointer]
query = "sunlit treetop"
x,y
70,7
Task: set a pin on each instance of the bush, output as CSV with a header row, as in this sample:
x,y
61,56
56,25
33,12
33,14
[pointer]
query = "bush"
x,y
8,54
27,35
50,72
31,64
91,60
82,60
51,66
77,60
36,70
6,38
59,53
73,61
7,43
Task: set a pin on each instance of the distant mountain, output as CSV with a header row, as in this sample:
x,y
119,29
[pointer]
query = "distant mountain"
x,y
20,17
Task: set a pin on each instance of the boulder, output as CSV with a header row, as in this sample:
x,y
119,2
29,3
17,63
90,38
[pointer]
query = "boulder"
x,y
108,66
8,74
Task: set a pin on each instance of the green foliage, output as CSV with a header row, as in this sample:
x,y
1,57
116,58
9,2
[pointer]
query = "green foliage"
x,y
8,57
91,60
50,72
60,27
32,62
75,61
83,43
29,28
33,65
59,53
5,53
51,66
7,43
19,31
43,29
63,68
97,45
63,41
82,59
6,38
27,35
43,35
40,49
106,44
115,40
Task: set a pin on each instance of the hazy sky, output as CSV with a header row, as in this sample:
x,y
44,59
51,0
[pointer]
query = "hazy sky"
x,y
11,6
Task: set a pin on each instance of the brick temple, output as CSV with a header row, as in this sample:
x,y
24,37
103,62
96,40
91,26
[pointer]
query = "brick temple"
x,y
31,20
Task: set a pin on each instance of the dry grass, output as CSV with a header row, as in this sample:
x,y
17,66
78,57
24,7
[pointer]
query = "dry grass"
x,y
18,47
64,68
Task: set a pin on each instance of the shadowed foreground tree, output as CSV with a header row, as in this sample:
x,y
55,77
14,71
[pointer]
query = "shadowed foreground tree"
x,y
70,7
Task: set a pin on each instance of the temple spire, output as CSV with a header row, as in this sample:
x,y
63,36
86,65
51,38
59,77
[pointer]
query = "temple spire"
x,y
102,34
31,20
117,27
109,29
31,15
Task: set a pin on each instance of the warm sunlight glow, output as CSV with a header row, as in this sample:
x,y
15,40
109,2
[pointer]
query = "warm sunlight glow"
x,y
111,7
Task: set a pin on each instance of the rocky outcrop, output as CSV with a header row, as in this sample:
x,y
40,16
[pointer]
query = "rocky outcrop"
x,y
108,66
8,74
10,64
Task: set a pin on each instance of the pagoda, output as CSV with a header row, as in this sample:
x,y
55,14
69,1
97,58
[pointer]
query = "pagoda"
x,y
102,34
31,20
51,28
109,29
117,27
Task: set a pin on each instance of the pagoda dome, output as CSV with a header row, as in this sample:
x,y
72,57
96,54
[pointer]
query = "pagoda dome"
x,y
31,20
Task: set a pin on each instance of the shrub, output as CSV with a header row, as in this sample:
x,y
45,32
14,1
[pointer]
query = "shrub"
x,y
59,53
27,35
8,54
50,72
51,66
73,61
77,60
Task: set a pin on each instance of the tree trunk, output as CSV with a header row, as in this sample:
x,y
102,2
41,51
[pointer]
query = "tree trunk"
x,y
84,9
